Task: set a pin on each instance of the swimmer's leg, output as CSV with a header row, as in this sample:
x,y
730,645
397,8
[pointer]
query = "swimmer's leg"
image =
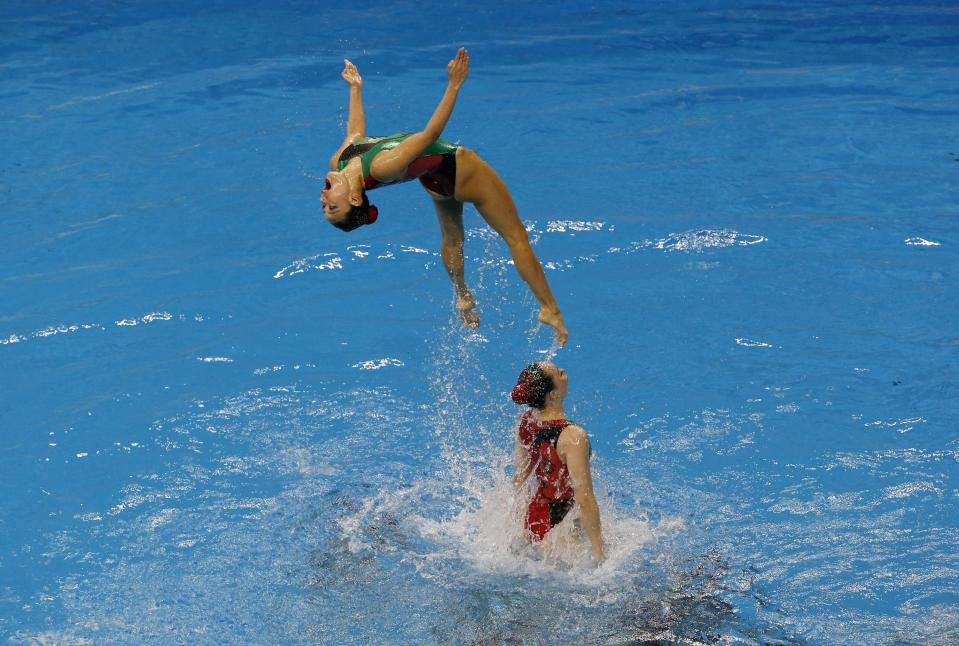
x,y
563,543
483,187
449,212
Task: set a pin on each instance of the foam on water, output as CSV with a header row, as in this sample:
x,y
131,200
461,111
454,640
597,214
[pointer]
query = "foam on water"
x,y
694,241
488,533
261,501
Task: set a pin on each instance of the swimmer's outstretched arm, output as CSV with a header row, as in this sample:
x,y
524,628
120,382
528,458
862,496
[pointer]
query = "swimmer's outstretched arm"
x,y
391,164
573,446
356,124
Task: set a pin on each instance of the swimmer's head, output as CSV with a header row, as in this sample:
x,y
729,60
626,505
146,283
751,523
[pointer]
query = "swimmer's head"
x,y
343,209
357,216
539,384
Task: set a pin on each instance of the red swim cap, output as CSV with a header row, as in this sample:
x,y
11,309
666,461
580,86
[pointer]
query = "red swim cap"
x,y
520,393
532,386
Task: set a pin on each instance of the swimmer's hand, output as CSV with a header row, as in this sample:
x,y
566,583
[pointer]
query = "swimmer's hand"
x,y
351,75
466,307
554,319
458,68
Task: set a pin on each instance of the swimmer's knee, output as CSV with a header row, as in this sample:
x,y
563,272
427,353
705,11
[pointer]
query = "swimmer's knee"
x,y
517,241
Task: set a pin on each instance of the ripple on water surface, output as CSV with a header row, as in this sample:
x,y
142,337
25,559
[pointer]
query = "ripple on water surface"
x,y
350,512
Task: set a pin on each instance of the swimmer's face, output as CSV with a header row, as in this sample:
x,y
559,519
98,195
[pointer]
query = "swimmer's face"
x,y
560,380
335,197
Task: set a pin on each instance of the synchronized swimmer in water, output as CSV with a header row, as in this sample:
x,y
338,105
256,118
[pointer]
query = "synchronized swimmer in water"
x,y
557,452
450,173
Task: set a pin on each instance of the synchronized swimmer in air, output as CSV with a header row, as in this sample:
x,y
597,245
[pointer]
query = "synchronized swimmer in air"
x,y
548,446
451,174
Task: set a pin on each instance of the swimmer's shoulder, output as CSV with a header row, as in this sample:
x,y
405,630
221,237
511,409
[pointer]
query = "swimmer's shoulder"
x,y
573,435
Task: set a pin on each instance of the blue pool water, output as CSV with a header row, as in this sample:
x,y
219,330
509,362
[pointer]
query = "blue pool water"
x,y
224,421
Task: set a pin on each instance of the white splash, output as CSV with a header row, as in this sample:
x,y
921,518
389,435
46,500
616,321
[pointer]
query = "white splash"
x,y
562,226
488,533
700,239
752,344
278,368
922,242
90,517
215,359
60,329
156,316
903,425
376,364
910,489
63,328
146,318
162,518
263,371
319,262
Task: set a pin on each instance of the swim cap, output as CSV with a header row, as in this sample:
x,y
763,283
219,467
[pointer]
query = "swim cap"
x,y
532,386
520,393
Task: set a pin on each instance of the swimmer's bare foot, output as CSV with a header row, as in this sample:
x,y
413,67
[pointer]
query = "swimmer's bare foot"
x,y
466,307
554,319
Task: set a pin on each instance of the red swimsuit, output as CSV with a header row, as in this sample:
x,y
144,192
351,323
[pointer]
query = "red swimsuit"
x,y
554,492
